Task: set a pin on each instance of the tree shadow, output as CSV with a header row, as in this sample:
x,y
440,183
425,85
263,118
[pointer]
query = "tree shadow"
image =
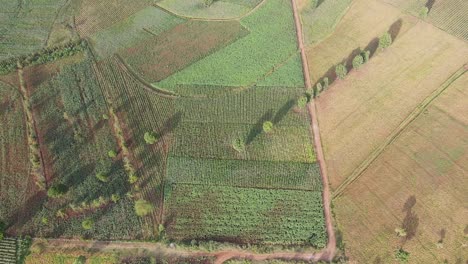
x,y
430,4
319,2
395,28
411,221
258,127
170,124
377,260
281,113
442,234
372,46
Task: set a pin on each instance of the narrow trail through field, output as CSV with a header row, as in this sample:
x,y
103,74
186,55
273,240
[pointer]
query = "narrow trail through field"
x,y
394,135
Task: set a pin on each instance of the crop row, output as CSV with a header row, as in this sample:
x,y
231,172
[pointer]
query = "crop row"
x,y
245,215
260,174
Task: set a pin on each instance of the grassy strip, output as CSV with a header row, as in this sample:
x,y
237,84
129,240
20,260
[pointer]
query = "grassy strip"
x,y
259,174
43,56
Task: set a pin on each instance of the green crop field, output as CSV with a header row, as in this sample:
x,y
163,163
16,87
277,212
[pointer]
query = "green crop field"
x,y
271,42
258,174
244,215
141,26
25,25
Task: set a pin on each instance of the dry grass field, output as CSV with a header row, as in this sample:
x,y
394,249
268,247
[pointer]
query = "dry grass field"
x,y
356,115
418,183
358,29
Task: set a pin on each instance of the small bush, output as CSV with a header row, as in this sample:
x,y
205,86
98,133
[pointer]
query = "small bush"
x,y
319,87
115,198
402,256
102,177
423,12
143,207
112,154
87,224
341,71
208,3
132,178
238,144
358,61
80,260
365,54
302,101
150,138
57,190
105,117
385,40
267,126
325,83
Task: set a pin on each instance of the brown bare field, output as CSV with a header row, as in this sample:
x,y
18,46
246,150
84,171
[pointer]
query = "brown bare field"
x,y
96,15
359,29
418,183
189,42
356,115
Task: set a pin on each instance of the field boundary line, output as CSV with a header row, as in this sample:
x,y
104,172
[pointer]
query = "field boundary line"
x,y
397,132
329,252
210,19
146,85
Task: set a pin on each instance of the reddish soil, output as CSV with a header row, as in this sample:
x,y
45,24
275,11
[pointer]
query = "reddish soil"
x,y
188,42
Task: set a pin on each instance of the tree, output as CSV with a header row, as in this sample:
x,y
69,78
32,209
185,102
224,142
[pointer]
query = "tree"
x,y
365,54
302,101
238,144
111,154
402,256
57,190
87,224
132,178
208,3
423,12
385,40
267,126
115,198
358,61
102,177
143,207
341,71
150,138
80,260
319,87
325,83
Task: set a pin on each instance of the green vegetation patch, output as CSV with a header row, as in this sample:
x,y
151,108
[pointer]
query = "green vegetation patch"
x,y
319,22
213,140
143,25
25,25
245,215
173,50
222,9
289,75
272,40
240,173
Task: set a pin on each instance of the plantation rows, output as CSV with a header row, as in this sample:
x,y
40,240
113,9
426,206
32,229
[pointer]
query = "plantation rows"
x,y
259,174
8,251
14,163
244,215
140,110
25,25
215,141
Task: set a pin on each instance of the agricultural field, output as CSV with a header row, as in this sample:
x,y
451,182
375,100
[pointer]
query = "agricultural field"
x,y
251,58
448,15
353,34
357,114
418,183
25,25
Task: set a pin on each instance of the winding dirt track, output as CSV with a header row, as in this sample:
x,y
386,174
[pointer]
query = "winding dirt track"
x,y
326,254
